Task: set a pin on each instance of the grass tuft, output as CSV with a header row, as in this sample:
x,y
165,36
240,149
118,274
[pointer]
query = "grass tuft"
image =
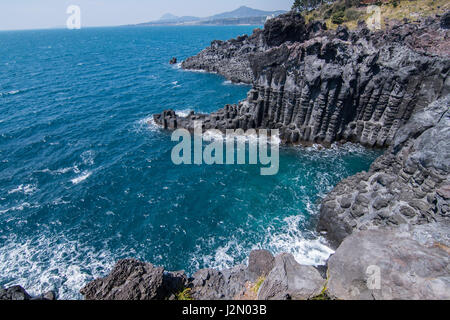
x,y
184,295
258,284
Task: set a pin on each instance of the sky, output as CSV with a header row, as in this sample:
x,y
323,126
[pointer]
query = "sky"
x,y
39,14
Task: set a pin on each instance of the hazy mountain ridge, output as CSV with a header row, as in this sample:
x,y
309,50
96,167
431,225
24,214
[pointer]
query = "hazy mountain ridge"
x,y
242,15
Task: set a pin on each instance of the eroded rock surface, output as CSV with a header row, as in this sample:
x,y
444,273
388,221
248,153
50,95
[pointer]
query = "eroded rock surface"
x,y
231,58
289,280
19,293
234,283
319,86
131,279
409,184
14,293
402,263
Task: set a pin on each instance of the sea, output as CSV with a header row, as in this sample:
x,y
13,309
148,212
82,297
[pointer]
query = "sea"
x,y
86,176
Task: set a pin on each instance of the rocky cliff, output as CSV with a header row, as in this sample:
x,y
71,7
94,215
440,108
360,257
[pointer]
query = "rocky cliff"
x,y
409,184
319,86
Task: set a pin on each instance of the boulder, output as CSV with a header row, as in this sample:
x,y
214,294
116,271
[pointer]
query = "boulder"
x,y
260,263
14,293
288,27
290,280
385,264
211,284
131,279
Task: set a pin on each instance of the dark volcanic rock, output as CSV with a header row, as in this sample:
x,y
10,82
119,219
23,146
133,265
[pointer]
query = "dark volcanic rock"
x,y
134,280
288,27
260,263
231,58
14,293
328,86
401,186
445,20
173,60
385,264
290,280
211,284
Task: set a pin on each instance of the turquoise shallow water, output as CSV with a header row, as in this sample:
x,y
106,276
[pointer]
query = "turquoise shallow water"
x,y
85,180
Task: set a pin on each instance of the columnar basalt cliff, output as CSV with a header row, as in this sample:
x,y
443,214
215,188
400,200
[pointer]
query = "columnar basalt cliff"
x,y
409,184
319,86
230,58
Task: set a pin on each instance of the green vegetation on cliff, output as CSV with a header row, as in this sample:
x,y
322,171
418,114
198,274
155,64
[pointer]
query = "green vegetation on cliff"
x,y
349,12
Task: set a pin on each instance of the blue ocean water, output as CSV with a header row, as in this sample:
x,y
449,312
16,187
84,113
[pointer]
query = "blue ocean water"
x,y
85,179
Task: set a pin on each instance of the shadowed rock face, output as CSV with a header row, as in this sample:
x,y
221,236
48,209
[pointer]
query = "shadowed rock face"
x,y
131,279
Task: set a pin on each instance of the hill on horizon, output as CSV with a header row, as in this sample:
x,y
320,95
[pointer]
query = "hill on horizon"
x,y
240,15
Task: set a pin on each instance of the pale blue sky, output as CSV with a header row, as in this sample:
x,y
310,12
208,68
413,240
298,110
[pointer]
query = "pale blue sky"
x,y
32,14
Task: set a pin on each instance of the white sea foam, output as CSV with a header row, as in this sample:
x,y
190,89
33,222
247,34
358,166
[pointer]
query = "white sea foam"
x,y
249,138
306,247
25,189
81,178
51,263
183,112
9,93
229,83
146,124
196,71
291,238
19,207
88,157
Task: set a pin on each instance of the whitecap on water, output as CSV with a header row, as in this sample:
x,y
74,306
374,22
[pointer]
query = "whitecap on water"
x,y
9,93
25,189
88,157
146,124
81,178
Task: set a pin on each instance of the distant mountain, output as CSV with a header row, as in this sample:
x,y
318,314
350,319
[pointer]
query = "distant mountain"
x,y
244,12
170,18
242,15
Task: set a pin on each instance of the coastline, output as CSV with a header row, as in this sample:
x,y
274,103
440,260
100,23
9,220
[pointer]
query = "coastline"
x,y
343,215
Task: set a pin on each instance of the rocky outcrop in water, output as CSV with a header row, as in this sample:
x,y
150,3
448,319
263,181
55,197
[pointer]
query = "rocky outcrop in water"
x,y
289,280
